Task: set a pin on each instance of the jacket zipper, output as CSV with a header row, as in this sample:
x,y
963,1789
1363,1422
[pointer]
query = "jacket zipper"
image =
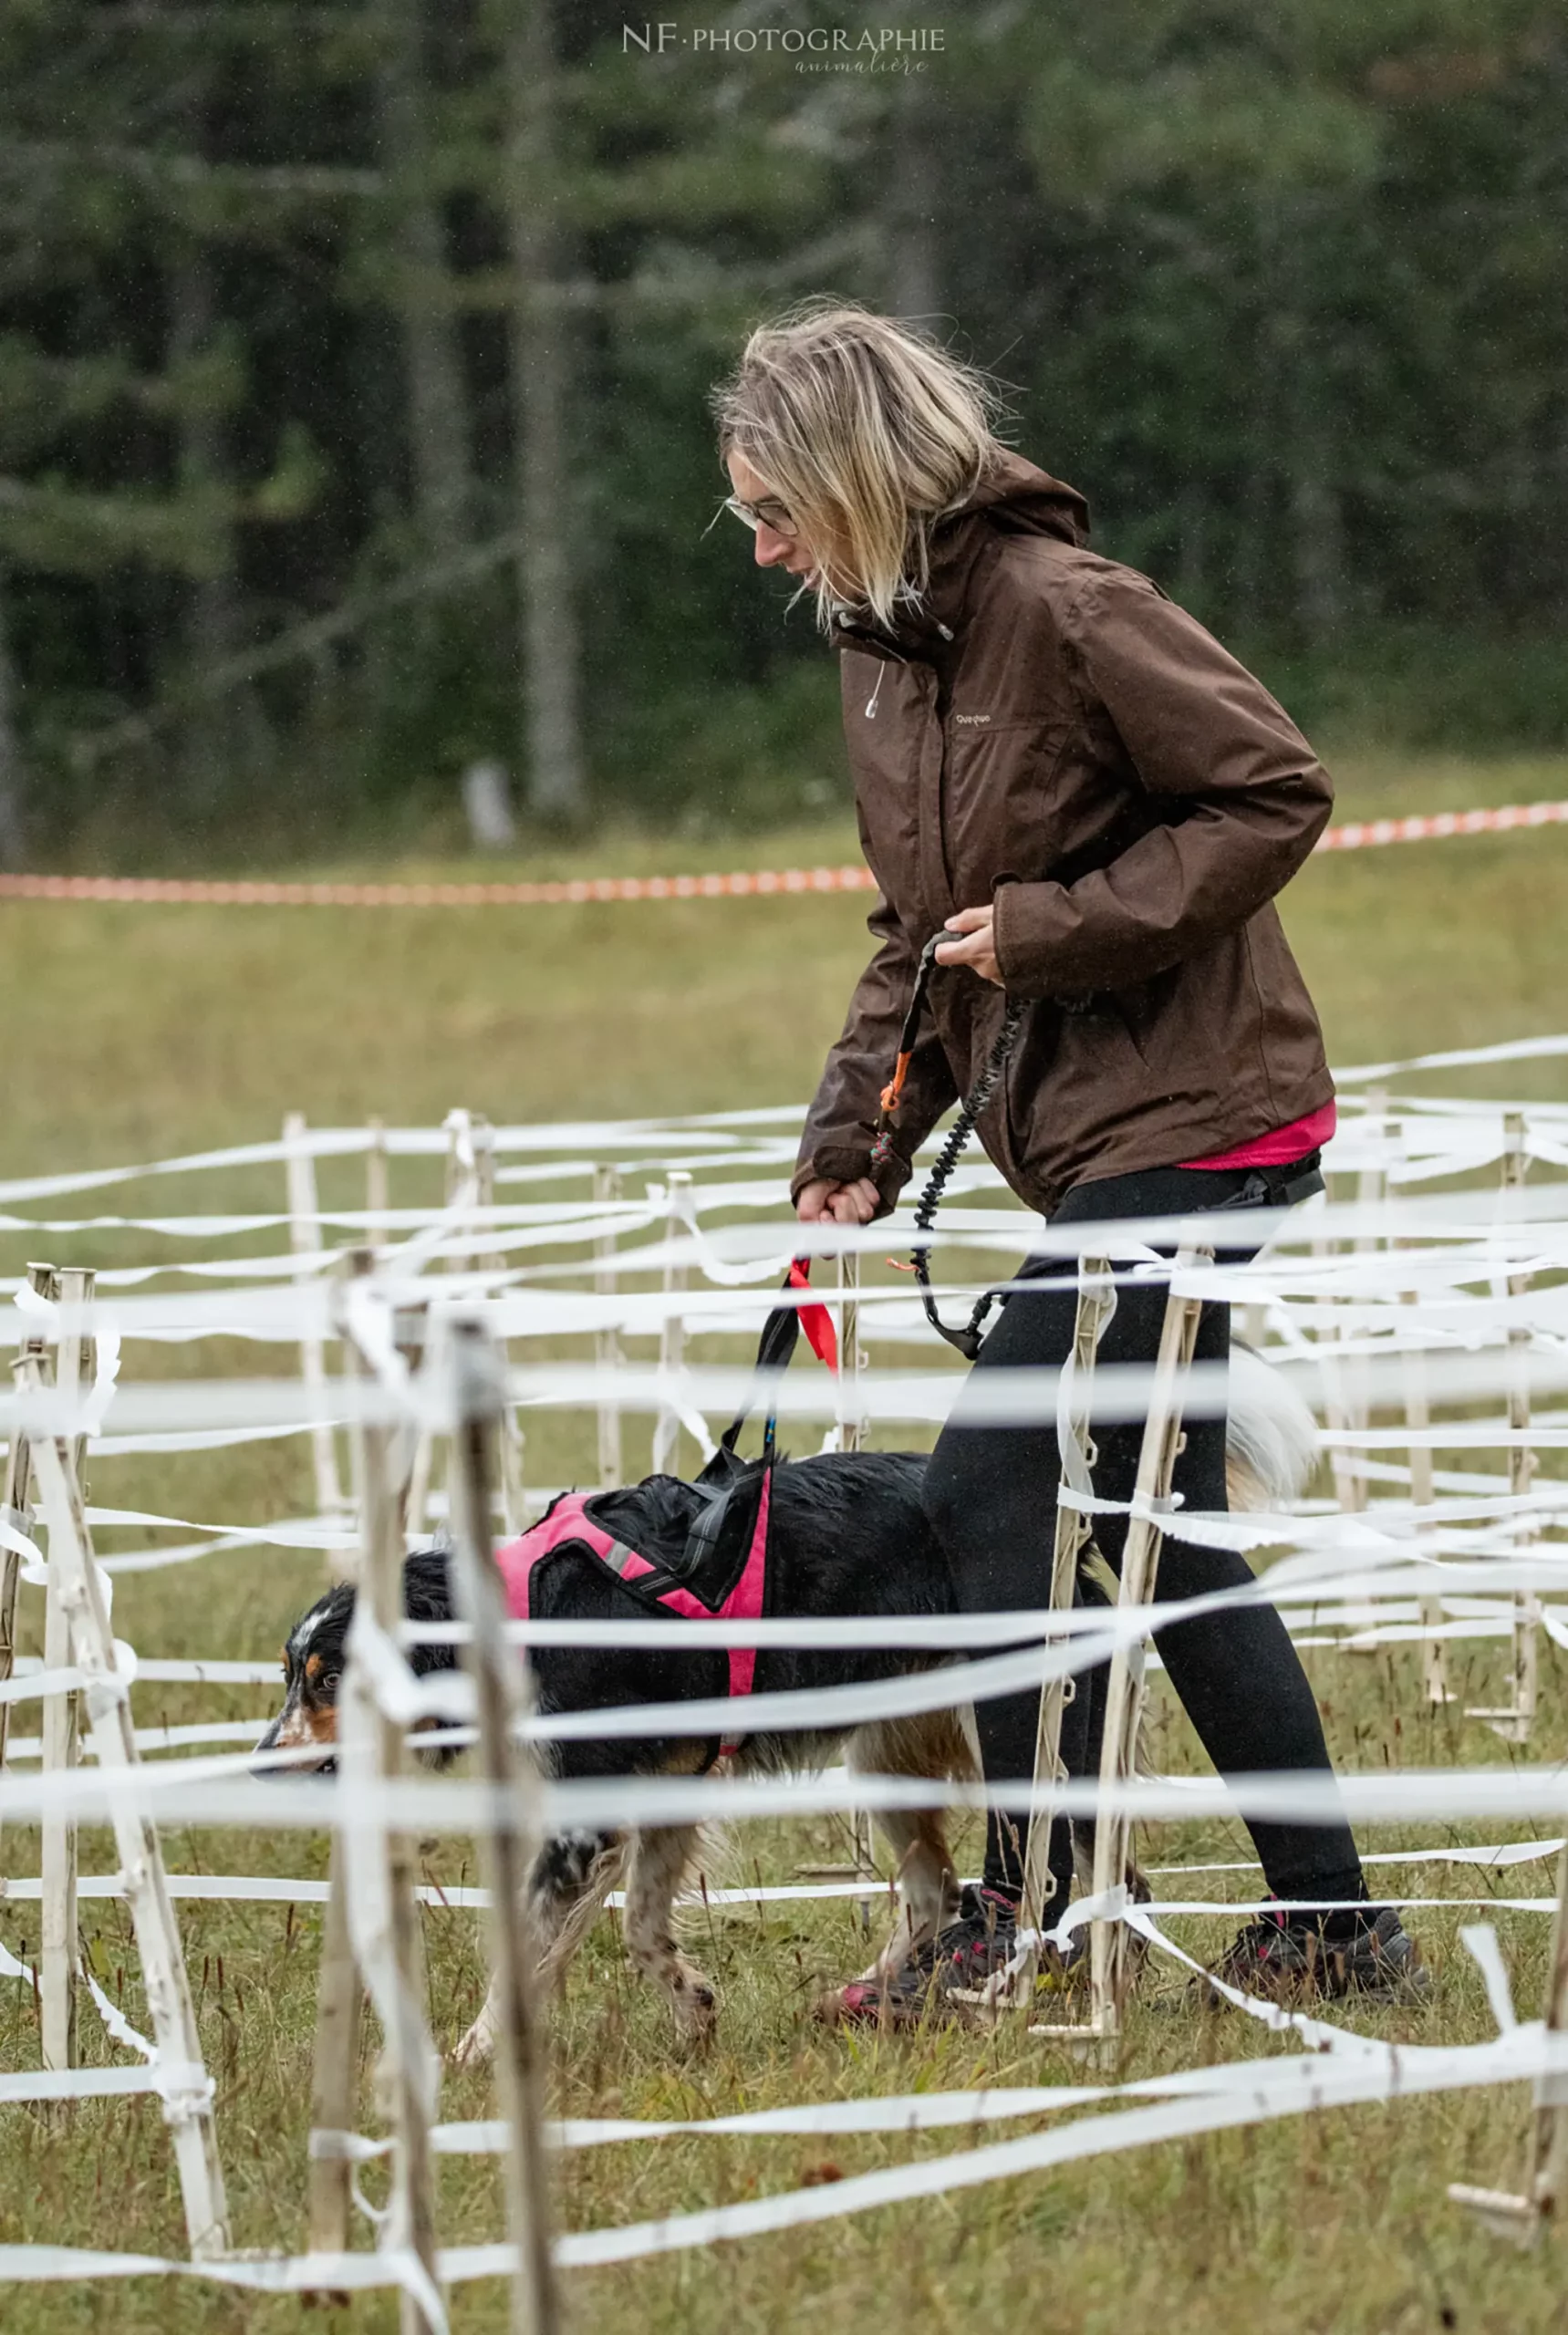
x,y
882,675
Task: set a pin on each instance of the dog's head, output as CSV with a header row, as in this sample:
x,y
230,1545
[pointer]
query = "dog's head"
x,y
312,1657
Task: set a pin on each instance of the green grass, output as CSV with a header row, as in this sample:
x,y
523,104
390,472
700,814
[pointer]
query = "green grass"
x,y
135,1033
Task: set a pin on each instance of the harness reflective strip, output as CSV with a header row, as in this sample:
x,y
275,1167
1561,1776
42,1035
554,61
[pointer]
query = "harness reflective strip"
x,y
568,1521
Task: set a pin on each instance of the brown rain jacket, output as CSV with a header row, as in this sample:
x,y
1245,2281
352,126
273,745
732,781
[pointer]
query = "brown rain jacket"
x,y
1052,734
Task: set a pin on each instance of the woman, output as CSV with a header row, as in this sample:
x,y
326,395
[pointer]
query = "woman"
x,y
1065,772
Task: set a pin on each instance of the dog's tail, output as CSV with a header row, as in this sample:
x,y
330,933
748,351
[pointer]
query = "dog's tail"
x,y
1272,1444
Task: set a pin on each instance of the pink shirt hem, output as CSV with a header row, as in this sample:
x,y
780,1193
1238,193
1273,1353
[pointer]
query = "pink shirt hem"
x,y
1284,1144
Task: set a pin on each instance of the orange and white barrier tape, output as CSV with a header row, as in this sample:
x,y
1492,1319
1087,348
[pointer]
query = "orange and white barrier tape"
x,y
1429,826
581,890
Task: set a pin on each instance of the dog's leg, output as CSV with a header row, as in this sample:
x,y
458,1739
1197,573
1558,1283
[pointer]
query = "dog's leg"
x,y
572,1876
659,1862
928,1885
930,1745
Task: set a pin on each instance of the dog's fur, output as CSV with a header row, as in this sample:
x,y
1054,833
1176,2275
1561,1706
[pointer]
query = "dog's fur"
x,y
847,1537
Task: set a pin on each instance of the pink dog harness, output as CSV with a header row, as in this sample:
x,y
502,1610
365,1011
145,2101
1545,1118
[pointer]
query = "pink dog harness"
x,y
569,1521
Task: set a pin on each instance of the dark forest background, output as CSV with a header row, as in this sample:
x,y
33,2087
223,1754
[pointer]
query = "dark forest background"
x,y
354,363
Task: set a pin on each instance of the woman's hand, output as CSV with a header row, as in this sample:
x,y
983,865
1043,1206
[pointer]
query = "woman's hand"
x,y
822,1202
977,946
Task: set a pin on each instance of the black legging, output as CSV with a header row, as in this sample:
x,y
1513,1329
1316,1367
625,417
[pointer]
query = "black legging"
x,y
991,1494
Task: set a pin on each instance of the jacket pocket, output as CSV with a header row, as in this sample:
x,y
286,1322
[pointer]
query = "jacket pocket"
x,y
1019,1112
1148,1012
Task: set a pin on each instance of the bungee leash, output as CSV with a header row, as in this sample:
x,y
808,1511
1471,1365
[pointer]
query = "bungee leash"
x,y
966,1340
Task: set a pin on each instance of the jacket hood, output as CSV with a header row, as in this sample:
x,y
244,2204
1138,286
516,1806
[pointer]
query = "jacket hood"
x,y
1014,497
1027,501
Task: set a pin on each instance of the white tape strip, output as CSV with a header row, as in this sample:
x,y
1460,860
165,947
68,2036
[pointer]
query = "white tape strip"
x,y
224,1792
1252,2091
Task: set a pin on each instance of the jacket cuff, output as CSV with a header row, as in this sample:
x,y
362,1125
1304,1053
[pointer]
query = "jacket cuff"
x,y
1019,924
837,1165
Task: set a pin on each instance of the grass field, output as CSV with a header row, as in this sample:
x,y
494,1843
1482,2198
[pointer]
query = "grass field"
x,y
138,1033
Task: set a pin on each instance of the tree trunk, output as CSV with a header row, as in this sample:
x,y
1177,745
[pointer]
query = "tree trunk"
x,y
437,404
541,387
216,734
1317,536
913,272
12,778
1317,524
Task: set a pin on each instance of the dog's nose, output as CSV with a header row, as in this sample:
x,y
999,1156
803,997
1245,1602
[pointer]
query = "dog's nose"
x,y
290,1760
260,1764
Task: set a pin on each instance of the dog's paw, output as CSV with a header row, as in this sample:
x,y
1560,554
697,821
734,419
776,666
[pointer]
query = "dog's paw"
x,y
478,2046
696,2008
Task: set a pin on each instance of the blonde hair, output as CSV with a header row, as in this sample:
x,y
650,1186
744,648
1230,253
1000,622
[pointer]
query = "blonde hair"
x,y
869,431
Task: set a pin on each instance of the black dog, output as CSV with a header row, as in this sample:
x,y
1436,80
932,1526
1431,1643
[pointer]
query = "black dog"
x,y
847,1537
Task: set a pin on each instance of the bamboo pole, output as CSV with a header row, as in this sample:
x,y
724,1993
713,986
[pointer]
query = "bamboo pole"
x,y
18,1515
333,2070
510,1434
1344,1382
852,1437
305,1238
377,1186
1125,1679
672,1336
188,2099
1518,2215
1423,1498
1514,1719
851,1359
1096,1303
607,1191
508,1845
59,1944
383,1913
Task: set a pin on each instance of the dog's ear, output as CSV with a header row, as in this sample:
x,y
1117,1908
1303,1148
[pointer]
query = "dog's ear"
x,y
427,1597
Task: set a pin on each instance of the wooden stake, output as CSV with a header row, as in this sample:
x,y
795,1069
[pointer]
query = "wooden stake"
x,y
672,1336
1125,1685
412,1335
1419,1419
1514,1719
305,1237
333,2087
18,1513
188,2105
59,1944
607,1190
1345,1383
408,2053
1518,2215
511,1437
378,1185
1371,1191
851,1429
851,1360
1096,1303
508,1845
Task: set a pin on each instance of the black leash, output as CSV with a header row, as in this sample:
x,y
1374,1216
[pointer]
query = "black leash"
x,y
966,1340
1272,1188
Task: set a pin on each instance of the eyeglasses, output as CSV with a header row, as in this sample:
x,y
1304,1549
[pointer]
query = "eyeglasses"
x,y
774,516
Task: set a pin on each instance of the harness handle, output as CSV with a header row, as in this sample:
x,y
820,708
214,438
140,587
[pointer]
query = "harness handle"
x,y
775,1351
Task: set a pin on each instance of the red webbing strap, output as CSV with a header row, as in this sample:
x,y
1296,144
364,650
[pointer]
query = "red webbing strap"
x,y
814,1319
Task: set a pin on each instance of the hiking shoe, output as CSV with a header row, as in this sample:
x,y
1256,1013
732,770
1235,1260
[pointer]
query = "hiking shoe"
x,y
948,1978
1293,1962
